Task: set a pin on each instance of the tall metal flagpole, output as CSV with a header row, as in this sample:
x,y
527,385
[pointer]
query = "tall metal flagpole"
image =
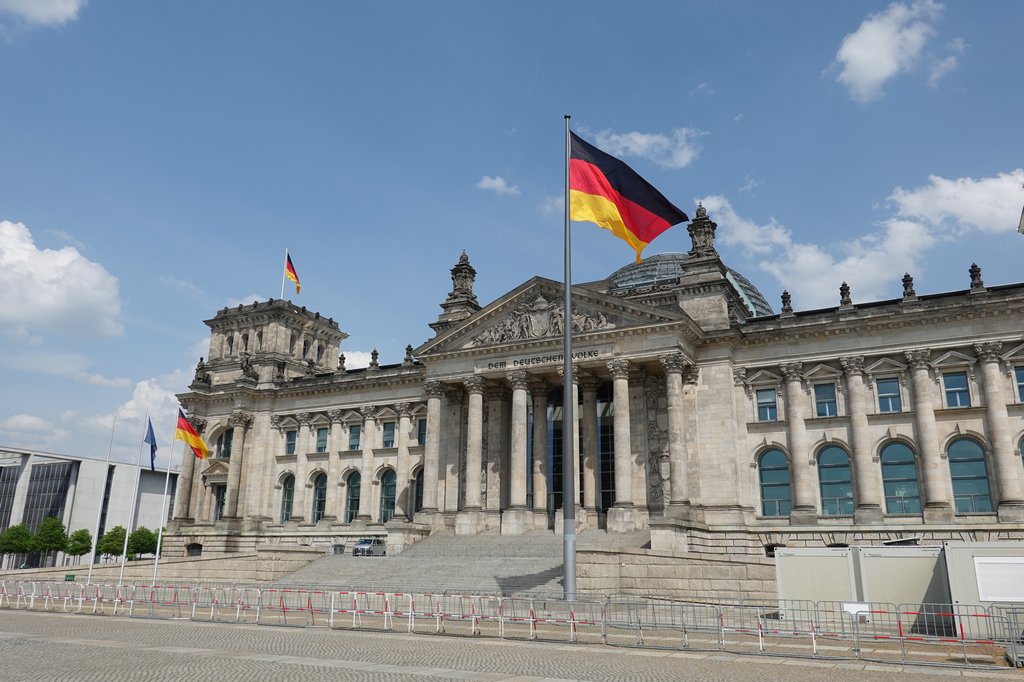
x,y
163,507
99,508
568,409
283,275
131,509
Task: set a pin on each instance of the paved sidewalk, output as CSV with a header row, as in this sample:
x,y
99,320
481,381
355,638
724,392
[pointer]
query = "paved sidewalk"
x,y
55,647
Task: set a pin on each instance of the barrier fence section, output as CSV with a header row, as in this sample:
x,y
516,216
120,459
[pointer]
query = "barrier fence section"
x,y
931,634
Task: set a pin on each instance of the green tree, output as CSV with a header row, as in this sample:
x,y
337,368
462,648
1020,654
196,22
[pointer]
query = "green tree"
x,y
16,540
79,543
112,542
50,536
142,541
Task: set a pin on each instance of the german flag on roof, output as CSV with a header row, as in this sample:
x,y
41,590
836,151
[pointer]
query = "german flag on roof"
x,y
605,191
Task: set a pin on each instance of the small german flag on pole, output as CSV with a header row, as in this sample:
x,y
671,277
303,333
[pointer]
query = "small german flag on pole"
x,y
605,191
188,433
289,273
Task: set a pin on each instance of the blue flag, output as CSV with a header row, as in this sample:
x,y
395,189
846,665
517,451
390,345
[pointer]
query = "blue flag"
x,y
151,439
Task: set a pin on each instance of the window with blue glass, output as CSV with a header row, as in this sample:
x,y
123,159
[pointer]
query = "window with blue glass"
x,y
319,497
418,486
773,471
352,496
889,395
353,437
387,495
767,407
421,432
899,480
957,392
224,444
836,484
289,442
287,497
389,434
969,472
1019,374
825,400
322,435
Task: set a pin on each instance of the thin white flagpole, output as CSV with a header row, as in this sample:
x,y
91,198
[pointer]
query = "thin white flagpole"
x,y
163,507
99,507
131,508
568,408
283,271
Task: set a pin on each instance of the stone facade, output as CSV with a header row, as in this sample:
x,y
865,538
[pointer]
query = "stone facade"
x,y
704,417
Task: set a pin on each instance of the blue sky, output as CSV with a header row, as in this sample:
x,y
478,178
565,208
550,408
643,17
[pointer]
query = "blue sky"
x,y
157,158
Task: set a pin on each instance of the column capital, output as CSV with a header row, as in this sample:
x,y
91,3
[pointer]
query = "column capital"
x,y
739,376
433,388
369,412
474,384
539,387
575,373
988,351
276,422
304,418
519,380
690,374
852,364
241,419
335,415
792,371
918,359
674,363
402,409
619,368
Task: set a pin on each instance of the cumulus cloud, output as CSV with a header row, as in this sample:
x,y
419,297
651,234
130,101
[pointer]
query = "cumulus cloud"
x,y
497,184
42,12
32,432
886,43
28,423
943,66
677,150
957,205
43,289
357,359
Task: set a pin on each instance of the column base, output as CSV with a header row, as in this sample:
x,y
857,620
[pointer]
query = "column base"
x,y
467,522
624,519
803,517
1011,511
871,514
513,521
584,520
940,513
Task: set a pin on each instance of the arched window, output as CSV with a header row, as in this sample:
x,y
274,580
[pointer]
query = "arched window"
x,y
969,473
352,496
836,485
417,504
387,495
287,497
899,478
773,470
319,497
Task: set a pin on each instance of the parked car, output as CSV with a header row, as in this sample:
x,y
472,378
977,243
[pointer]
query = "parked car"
x,y
369,547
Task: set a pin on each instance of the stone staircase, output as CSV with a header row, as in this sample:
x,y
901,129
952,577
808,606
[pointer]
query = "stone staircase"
x,y
488,563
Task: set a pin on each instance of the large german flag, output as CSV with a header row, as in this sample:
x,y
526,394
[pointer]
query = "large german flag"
x,y
188,433
605,191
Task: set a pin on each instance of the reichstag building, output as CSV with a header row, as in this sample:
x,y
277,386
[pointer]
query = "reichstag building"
x,y
704,417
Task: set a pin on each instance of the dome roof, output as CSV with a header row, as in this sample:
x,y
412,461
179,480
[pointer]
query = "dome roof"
x,y
666,268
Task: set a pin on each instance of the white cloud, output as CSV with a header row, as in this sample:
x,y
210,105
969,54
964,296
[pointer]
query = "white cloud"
x,y
885,44
26,423
43,12
676,151
248,300
943,66
53,290
60,364
702,89
990,204
553,206
750,184
357,359
497,184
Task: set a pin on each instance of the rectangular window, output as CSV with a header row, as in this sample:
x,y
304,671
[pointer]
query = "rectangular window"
x,y
421,432
957,393
889,395
353,437
321,438
224,444
825,400
767,408
289,442
389,434
1019,373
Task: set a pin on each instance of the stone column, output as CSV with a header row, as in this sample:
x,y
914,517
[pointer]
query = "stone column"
x,y
800,458
513,519
934,470
334,487
474,441
366,470
619,370
432,448
1006,464
539,389
299,511
239,422
402,502
674,365
867,473
183,495
589,384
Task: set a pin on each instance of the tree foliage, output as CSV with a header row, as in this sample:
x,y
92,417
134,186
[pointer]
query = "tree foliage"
x,y
112,542
50,536
142,541
79,543
16,540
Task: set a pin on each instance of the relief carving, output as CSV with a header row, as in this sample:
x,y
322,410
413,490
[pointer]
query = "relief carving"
x,y
538,319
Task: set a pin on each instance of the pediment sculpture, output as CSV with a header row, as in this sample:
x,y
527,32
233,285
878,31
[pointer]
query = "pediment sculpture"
x,y
537,319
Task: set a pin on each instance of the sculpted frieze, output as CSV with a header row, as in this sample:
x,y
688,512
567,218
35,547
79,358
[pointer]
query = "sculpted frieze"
x,y
537,319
